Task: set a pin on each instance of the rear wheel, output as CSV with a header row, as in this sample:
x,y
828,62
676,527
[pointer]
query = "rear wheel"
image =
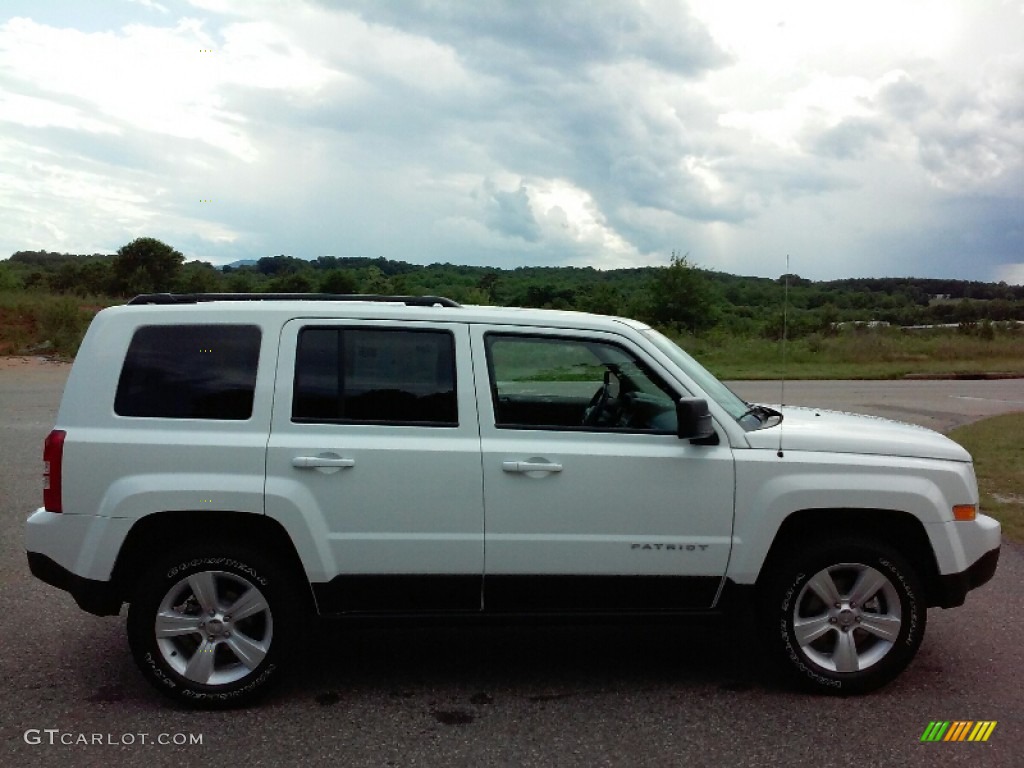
x,y
212,628
844,617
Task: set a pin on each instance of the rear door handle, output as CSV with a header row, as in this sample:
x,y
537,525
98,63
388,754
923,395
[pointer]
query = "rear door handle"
x,y
530,466
320,461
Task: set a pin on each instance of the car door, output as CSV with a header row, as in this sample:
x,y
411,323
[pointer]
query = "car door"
x,y
592,501
374,451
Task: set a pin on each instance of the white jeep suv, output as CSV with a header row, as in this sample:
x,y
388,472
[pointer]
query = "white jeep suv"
x,y
233,465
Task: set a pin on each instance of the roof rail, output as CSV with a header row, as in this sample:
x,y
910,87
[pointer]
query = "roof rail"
x,y
196,298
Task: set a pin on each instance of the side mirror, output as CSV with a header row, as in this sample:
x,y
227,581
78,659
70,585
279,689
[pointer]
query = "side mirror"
x,y
694,420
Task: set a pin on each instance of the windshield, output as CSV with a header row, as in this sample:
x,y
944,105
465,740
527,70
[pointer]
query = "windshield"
x,y
702,377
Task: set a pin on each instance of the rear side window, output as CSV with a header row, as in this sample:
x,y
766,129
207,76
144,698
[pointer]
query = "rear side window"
x,y
377,376
190,372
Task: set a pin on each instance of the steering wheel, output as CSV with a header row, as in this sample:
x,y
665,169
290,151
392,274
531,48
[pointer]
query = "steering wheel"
x,y
596,408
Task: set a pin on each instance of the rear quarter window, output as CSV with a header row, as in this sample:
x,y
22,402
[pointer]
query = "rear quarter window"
x,y
189,372
375,376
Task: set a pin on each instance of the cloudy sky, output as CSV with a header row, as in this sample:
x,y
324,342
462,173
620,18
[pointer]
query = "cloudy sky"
x,y
875,138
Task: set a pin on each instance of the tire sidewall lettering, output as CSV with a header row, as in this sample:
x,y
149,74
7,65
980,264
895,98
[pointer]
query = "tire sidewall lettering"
x,y
910,603
220,562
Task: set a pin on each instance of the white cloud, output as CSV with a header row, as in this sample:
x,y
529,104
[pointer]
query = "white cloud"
x,y
570,214
152,5
50,205
864,139
35,112
1012,274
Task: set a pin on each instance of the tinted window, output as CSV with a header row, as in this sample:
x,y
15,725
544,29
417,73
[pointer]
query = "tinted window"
x,y
542,382
377,376
189,372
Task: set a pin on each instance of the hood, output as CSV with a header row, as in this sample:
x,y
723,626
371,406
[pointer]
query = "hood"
x,y
813,429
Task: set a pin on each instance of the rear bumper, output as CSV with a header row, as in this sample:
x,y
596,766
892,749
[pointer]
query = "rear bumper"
x,y
96,597
952,588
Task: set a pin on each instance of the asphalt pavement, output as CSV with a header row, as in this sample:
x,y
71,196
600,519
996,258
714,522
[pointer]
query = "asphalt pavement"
x,y
643,695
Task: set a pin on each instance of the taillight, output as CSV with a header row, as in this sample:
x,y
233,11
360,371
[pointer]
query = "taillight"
x,y
53,457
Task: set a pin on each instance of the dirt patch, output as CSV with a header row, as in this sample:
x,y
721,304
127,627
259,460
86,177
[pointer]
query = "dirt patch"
x,y
28,362
1008,498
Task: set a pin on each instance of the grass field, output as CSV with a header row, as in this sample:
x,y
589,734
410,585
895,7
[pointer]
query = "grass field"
x,y
880,354
997,445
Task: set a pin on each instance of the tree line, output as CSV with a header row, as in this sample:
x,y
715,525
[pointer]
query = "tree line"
x,y
680,296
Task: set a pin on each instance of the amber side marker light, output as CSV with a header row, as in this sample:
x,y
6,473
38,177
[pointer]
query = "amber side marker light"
x,y
965,512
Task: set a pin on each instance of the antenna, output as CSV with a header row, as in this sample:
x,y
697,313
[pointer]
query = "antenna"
x,y
785,334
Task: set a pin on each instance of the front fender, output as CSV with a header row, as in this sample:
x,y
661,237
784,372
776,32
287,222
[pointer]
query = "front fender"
x,y
770,489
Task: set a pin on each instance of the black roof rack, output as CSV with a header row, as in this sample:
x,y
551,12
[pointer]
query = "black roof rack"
x,y
196,298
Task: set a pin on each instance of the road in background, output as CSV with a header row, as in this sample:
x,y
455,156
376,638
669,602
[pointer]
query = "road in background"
x,y
641,695
936,404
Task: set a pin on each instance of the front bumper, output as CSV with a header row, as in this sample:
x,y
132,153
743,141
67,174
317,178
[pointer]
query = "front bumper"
x,y
951,589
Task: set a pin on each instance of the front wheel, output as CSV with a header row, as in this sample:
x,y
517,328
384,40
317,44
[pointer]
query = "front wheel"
x,y
212,628
845,617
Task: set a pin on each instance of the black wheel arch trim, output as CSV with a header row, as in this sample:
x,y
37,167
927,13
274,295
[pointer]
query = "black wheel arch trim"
x,y
156,533
893,528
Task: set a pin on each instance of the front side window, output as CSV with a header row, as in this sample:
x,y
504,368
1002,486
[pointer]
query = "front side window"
x,y
540,382
189,372
377,376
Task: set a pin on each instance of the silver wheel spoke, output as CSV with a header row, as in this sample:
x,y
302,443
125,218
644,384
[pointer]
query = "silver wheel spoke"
x,y
200,666
247,605
824,587
174,624
885,627
857,597
205,619
204,587
809,630
248,651
844,656
868,583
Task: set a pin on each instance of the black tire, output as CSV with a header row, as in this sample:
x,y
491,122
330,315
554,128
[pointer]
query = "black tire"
x,y
209,658
860,639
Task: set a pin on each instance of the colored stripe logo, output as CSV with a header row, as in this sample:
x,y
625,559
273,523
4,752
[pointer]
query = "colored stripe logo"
x,y
959,730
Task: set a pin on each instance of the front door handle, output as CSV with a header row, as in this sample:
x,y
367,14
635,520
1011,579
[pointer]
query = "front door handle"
x,y
530,466
322,461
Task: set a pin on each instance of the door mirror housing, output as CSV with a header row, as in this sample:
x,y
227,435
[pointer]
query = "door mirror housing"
x,y
694,420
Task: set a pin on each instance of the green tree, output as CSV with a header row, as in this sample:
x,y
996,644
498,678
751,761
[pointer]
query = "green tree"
x,y
294,282
601,298
241,281
682,297
96,278
66,279
966,316
488,283
339,281
375,281
146,265
198,277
